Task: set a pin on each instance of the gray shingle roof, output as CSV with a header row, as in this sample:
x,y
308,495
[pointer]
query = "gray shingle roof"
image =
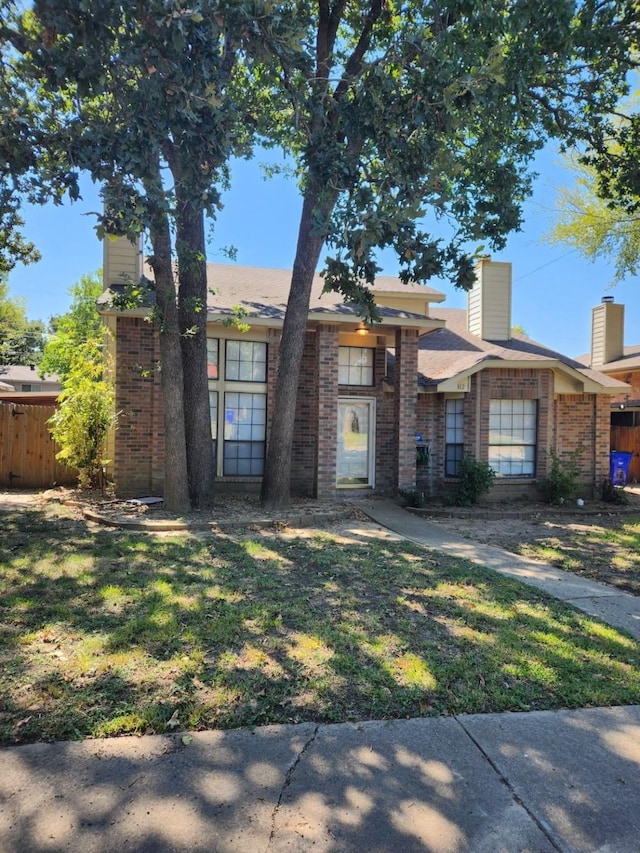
x,y
452,350
263,293
629,361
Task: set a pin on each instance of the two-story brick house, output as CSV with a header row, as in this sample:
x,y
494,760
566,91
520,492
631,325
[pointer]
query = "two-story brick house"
x,y
366,395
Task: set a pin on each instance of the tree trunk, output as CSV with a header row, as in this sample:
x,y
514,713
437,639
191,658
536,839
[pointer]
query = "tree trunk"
x,y
192,309
277,474
176,484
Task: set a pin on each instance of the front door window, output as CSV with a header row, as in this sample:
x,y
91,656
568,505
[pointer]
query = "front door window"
x,y
355,442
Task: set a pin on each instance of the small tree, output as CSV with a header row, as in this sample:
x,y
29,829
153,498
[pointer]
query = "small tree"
x,y
86,413
562,483
87,409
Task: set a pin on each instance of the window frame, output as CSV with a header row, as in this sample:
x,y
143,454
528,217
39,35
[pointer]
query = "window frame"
x,y
221,390
354,368
523,437
453,450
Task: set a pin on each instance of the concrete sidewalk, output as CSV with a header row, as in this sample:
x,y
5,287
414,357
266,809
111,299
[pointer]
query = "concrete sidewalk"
x,y
606,602
541,782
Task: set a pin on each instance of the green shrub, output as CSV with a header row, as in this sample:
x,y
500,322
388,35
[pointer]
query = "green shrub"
x,y
562,482
475,477
613,494
412,497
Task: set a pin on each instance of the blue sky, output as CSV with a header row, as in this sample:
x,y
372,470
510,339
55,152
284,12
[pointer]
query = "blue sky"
x,y
553,293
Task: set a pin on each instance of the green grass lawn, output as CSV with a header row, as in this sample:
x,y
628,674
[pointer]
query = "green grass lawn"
x,y
610,554
105,633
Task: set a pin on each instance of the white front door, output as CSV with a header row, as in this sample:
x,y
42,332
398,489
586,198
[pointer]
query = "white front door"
x,y
356,423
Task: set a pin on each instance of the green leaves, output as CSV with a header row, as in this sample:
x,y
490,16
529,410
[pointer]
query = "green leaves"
x,y
21,340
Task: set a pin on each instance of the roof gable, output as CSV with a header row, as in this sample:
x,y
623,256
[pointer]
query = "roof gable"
x,y
451,352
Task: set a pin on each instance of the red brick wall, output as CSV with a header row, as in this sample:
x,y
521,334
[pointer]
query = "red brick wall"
x,y
139,447
583,420
327,366
566,423
305,436
511,384
406,374
139,455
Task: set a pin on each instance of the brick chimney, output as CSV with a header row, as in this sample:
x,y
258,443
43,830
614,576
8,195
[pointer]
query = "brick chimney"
x,y
489,302
122,260
607,332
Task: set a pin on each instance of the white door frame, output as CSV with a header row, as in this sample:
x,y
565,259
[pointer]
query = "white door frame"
x,y
370,403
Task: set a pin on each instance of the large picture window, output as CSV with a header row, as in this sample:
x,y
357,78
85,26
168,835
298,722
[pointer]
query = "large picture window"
x,y
454,437
512,437
355,365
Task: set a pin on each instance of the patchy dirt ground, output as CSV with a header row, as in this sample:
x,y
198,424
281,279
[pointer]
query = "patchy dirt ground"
x,y
599,541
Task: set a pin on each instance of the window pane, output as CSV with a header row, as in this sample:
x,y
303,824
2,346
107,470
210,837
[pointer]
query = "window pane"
x,y
245,417
355,365
212,358
246,361
213,412
453,455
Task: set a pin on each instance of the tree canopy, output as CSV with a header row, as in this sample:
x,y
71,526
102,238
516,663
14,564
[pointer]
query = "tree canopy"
x,y
395,112
147,97
71,331
597,227
391,111
21,339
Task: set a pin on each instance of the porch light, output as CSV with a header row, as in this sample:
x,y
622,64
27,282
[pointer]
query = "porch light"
x,y
361,329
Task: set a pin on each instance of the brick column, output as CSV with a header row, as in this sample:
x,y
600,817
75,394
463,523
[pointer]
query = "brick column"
x,y
405,381
138,463
273,353
327,360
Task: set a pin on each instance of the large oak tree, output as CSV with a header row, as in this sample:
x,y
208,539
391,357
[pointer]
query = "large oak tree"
x,y
400,109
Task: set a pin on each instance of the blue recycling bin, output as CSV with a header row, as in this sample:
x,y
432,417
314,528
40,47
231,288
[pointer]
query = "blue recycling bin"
x,y
619,462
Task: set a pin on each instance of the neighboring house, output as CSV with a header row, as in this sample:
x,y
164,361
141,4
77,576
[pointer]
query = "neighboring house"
x,y
23,380
610,356
367,396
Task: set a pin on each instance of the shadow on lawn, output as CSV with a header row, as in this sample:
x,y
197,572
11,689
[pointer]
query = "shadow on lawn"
x,y
103,632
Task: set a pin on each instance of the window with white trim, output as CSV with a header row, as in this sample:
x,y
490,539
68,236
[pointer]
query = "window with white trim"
x,y
454,436
245,418
355,365
512,437
238,405
246,361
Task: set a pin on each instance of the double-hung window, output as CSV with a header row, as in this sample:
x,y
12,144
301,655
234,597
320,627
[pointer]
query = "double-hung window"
x,y
512,437
237,372
454,436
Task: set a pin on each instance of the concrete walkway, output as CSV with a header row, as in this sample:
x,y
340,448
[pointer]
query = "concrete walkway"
x,y
606,602
542,782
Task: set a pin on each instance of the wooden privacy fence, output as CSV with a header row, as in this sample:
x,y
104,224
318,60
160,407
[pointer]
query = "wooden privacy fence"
x,y
27,450
627,439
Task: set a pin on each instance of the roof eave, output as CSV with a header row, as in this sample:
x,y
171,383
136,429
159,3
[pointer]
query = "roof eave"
x,y
584,384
